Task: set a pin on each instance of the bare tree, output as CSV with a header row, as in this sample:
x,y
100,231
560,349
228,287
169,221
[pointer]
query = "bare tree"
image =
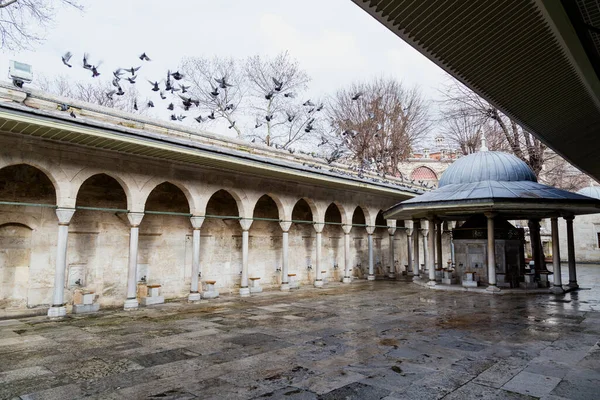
x,y
217,101
460,102
378,122
274,84
23,22
94,93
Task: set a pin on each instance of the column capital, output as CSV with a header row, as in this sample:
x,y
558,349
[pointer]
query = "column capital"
x,y
490,214
245,223
197,221
370,229
319,227
64,215
392,230
347,229
409,224
135,218
391,223
409,231
569,217
285,225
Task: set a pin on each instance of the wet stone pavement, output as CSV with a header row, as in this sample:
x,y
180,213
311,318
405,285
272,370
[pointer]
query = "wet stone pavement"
x,y
367,340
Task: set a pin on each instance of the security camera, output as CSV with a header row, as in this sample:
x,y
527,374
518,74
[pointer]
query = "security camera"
x,y
20,73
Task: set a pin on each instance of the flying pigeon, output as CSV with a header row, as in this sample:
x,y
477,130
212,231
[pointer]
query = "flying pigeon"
x,y
223,82
278,84
357,96
132,70
144,57
177,75
155,87
86,65
232,125
66,57
308,103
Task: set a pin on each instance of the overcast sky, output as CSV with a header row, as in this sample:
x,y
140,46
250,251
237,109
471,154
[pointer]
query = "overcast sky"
x,y
335,41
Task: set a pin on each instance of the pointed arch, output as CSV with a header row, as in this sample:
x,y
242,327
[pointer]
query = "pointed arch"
x,y
340,209
314,211
423,173
57,188
178,201
241,212
85,174
151,185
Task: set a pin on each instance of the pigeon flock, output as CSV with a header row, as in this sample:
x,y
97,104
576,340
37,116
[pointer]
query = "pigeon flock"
x,y
173,84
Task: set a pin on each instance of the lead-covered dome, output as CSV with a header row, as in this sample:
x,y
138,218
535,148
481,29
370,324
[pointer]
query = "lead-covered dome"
x,y
487,166
591,191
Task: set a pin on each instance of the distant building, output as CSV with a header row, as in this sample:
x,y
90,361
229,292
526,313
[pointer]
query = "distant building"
x,y
427,164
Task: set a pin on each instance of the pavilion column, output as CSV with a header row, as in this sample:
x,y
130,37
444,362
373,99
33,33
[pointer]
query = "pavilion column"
x,y
425,237
347,278
392,232
135,219
370,230
557,289
438,245
431,250
196,225
491,253
58,308
535,239
416,239
409,248
571,252
245,223
319,242
285,227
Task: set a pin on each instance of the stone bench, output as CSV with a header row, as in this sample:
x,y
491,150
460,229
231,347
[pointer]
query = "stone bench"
x,y
83,302
255,285
152,295
469,279
210,292
294,283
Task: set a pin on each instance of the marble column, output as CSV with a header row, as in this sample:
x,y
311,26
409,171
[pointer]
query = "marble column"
x,y
392,232
491,253
415,241
425,238
58,308
285,227
244,289
135,219
409,248
438,245
370,230
571,252
557,288
319,243
347,278
196,225
431,250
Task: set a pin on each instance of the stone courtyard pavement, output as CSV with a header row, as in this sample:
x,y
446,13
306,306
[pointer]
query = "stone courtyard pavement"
x,y
368,340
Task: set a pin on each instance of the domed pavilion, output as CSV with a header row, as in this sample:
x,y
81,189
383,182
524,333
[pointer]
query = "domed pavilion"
x,y
482,192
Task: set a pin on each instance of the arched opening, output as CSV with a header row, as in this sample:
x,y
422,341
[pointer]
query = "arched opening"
x,y
264,257
19,244
221,241
15,258
165,241
333,243
97,246
381,245
302,241
24,183
360,248
423,174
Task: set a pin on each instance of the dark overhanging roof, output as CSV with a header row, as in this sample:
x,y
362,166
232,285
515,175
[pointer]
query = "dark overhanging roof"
x,y
526,57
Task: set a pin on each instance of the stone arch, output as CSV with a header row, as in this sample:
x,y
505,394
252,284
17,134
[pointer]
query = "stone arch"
x,y
423,173
163,189
231,192
51,179
314,210
341,209
268,198
282,211
154,183
87,173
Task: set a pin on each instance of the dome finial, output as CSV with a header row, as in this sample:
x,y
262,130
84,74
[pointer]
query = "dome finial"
x,y
483,144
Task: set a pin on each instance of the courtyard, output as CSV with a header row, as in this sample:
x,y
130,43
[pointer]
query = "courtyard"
x,y
368,340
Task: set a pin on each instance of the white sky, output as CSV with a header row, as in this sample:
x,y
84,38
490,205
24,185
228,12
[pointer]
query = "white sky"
x,y
335,41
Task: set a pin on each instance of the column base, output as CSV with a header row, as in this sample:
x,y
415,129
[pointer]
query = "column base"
x,y
318,283
57,311
557,290
573,285
131,304
392,276
371,277
244,292
416,278
285,287
347,279
493,289
432,283
194,297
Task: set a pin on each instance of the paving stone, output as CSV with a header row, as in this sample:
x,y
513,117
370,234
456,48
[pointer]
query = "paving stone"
x,y
164,357
579,384
531,384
